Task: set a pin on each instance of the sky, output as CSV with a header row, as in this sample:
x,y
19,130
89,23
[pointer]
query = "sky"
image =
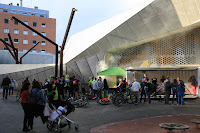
x,y
90,12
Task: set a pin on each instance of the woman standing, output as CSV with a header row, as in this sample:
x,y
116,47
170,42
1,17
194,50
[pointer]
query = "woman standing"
x,y
181,92
38,107
25,105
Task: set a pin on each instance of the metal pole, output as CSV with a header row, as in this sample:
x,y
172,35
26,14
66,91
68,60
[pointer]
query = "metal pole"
x,y
65,39
56,61
56,67
11,42
8,48
28,52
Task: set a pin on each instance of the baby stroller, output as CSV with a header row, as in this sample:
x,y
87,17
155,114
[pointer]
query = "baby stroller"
x,y
58,118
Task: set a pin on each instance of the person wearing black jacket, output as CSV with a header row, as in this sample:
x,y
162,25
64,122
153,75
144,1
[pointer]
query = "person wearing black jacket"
x,y
143,90
174,87
5,84
167,88
62,83
150,87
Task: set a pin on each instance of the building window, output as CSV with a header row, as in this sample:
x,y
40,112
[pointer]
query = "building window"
x,y
25,13
43,43
41,15
25,32
5,48
33,14
43,25
6,30
16,31
6,40
34,24
25,41
34,34
25,50
26,22
34,50
42,51
34,42
43,33
16,41
6,21
15,22
5,11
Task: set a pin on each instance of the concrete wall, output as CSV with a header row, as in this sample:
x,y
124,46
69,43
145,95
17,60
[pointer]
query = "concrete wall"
x,y
187,10
20,72
31,58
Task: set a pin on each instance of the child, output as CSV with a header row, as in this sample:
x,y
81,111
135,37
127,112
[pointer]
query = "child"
x,y
61,110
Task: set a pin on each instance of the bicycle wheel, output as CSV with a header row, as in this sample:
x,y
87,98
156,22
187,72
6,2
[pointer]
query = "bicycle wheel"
x,y
18,96
117,100
132,99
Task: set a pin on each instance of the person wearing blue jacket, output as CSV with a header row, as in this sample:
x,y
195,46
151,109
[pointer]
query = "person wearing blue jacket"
x,y
37,108
181,92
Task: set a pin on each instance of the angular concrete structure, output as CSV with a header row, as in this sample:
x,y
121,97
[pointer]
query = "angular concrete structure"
x,y
155,33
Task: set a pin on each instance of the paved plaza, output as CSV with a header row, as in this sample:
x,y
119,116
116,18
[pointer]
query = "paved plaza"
x,y
95,115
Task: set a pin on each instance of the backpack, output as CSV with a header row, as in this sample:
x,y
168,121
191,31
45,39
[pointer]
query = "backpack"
x,y
32,97
151,87
75,82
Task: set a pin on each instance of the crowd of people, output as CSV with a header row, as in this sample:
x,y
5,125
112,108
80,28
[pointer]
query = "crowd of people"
x,y
57,90
152,88
8,85
98,87
35,95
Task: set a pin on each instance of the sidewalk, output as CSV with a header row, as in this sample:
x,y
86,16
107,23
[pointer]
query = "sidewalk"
x,y
148,125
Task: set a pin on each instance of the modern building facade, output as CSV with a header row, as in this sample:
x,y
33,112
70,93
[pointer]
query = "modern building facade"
x,y
22,37
160,34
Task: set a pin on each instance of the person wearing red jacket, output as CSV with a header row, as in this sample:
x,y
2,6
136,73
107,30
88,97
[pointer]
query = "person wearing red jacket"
x,y
25,105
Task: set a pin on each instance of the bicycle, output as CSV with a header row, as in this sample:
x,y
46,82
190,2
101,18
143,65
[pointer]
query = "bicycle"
x,y
125,97
18,95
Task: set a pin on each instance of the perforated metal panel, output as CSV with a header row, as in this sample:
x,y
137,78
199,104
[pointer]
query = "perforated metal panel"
x,y
176,50
179,49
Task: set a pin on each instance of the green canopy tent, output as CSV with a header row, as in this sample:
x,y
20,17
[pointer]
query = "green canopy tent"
x,y
113,71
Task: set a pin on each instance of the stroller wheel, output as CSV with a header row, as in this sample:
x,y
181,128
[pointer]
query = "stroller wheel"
x,y
57,129
76,127
69,124
49,126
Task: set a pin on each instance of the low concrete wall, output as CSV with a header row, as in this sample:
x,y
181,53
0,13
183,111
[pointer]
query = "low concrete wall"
x,y
30,58
20,72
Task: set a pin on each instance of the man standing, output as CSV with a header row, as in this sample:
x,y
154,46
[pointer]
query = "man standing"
x,y
167,89
61,85
90,85
144,87
54,93
150,87
100,84
5,84
76,84
135,89
95,87
12,85
154,81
